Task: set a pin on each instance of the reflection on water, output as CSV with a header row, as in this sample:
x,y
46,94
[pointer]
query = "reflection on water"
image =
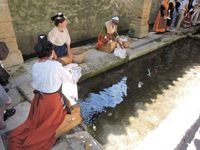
x,y
109,97
108,100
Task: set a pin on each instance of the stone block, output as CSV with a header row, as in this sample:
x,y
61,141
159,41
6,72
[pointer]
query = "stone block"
x,y
140,22
14,58
4,13
140,31
142,8
11,43
7,30
27,91
141,13
3,2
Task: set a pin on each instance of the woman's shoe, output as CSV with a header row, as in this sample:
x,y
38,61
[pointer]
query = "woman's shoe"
x,y
8,113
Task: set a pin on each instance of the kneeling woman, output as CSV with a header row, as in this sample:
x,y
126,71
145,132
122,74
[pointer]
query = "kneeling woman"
x,y
108,33
51,114
60,38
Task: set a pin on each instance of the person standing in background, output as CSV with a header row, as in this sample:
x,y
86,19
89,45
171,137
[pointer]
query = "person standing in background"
x,y
160,25
176,13
182,12
196,14
172,4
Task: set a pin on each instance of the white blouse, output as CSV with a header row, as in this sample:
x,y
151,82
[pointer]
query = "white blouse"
x,y
59,38
48,76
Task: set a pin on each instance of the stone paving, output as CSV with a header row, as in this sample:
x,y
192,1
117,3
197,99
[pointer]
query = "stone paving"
x,y
96,62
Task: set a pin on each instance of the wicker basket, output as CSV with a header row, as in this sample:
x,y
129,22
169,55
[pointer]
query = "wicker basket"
x,y
109,47
125,44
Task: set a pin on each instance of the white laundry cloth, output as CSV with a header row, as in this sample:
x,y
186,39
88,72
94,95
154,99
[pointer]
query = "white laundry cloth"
x,y
70,89
120,52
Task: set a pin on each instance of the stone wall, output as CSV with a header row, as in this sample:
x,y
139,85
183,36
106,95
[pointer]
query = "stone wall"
x,y
140,23
7,35
32,17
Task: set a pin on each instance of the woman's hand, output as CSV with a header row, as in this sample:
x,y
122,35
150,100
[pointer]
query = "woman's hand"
x,y
54,55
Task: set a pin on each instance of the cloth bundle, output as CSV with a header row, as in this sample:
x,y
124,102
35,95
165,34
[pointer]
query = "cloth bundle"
x,y
120,52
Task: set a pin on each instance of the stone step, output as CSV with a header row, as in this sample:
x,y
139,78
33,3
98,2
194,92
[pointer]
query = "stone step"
x,y
20,116
78,141
151,37
15,96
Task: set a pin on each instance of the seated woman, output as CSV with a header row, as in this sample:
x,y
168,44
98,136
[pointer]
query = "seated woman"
x,y
60,38
109,32
51,114
160,25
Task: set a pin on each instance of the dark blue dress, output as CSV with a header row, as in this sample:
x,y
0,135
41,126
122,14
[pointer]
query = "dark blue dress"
x,y
61,50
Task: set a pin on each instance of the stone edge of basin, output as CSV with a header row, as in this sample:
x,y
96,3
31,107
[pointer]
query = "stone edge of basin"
x,y
133,54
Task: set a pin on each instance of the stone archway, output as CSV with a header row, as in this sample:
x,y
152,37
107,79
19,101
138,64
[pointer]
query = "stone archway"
x,y
7,35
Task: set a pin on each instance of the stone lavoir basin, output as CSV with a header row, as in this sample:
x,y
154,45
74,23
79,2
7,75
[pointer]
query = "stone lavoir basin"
x,y
123,105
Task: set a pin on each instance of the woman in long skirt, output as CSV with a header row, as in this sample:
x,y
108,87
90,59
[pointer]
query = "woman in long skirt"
x,y
51,114
160,25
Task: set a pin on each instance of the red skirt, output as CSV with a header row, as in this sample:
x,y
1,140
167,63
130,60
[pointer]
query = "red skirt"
x,y
102,40
38,131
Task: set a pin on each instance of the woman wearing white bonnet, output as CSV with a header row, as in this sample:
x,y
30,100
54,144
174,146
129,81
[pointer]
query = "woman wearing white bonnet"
x,y
109,32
